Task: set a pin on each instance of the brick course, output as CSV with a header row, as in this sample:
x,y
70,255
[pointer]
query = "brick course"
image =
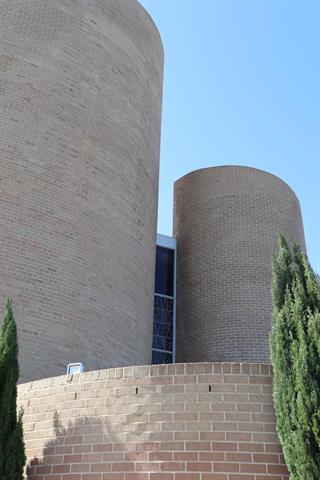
x,y
125,424
227,221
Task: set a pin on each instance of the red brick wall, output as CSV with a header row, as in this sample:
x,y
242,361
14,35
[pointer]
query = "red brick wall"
x,y
167,422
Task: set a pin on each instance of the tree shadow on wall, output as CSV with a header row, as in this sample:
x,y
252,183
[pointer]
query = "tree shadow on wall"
x,y
58,446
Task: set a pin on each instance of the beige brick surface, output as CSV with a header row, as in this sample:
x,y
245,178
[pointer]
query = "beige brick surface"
x,y
227,221
80,102
150,435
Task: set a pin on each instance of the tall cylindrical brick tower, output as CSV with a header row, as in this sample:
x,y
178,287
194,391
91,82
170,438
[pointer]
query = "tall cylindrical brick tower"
x,y
80,100
227,221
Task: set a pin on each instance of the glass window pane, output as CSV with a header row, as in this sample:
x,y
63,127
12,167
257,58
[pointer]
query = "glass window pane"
x,y
164,271
161,357
163,324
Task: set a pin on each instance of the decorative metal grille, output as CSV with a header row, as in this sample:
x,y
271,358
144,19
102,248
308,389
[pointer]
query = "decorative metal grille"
x,y
162,330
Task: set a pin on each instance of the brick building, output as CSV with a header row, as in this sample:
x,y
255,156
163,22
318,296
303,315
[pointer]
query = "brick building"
x,y
81,93
227,221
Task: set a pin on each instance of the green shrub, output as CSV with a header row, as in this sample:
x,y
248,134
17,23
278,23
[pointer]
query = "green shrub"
x,y
295,355
12,456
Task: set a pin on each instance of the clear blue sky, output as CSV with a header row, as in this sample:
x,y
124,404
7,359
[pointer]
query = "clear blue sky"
x,y
242,86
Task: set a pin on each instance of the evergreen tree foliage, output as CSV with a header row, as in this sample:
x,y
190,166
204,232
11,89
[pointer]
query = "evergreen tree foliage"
x,y
12,456
295,354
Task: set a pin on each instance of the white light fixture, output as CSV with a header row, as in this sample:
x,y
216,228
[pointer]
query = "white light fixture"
x,y
74,368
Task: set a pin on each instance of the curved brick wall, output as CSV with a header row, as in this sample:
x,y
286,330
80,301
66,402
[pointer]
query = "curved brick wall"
x,y
81,87
227,221
161,422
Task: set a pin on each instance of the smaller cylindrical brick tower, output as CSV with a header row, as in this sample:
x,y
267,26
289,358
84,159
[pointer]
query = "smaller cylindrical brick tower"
x,y
227,221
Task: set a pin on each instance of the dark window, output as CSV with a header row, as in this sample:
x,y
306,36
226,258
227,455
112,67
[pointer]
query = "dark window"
x,y
161,357
164,271
163,324
162,345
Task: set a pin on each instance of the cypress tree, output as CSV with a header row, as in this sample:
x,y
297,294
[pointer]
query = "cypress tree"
x,y
12,456
295,355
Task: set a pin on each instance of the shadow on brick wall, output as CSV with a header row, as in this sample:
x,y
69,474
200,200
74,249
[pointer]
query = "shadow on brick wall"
x,y
54,457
